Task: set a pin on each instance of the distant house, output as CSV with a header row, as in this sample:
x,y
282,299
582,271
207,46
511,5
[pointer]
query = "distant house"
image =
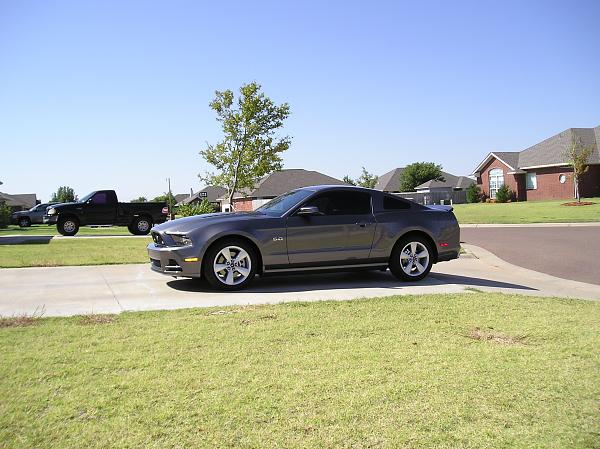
x,y
390,181
209,193
450,183
274,185
21,201
541,171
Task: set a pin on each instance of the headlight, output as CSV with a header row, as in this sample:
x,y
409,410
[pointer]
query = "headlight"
x,y
181,240
51,211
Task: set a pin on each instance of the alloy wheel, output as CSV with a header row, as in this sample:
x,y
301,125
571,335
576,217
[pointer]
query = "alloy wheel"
x,y
414,259
232,265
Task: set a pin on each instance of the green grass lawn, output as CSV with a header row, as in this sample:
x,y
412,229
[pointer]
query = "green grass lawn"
x,y
441,371
51,230
75,252
527,212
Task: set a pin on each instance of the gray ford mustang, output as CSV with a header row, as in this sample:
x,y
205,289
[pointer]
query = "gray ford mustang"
x,y
321,228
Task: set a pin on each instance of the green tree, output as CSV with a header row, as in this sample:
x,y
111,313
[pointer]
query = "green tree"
x,y
5,213
201,208
367,179
141,199
166,197
417,173
473,193
578,155
64,194
503,194
348,180
250,147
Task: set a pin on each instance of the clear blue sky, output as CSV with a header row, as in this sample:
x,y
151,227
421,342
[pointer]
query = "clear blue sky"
x,y
114,94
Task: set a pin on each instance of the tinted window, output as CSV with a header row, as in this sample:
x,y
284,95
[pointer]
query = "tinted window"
x,y
391,203
99,198
283,203
342,203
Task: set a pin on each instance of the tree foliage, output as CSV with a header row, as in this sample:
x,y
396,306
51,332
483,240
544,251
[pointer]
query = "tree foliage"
x,y
250,148
417,173
473,193
503,194
201,208
5,213
140,199
348,180
64,194
166,197
578,155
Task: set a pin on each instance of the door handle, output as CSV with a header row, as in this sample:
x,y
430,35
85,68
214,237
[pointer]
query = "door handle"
x,y
363,225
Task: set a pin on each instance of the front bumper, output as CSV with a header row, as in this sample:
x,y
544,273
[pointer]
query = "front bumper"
x,y
50,219
170,260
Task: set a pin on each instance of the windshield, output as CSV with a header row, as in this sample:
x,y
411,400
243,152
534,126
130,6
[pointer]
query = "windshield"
x,y
87,197
285,202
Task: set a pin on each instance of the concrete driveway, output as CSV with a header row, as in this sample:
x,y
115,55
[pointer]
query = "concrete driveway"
x,y
66,291
569,252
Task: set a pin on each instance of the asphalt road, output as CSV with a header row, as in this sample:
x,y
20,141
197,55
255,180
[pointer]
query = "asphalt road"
x,y
566,252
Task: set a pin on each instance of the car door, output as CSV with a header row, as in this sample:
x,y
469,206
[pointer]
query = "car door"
x,y
342,233
99,209
37,215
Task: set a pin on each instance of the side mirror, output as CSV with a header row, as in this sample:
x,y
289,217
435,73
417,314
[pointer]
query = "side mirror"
x,y
308,211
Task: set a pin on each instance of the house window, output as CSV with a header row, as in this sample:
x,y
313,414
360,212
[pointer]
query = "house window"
x,y
496,181
531,181
562,178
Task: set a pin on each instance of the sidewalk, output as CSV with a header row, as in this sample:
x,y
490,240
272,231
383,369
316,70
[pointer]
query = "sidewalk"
x,y
530,225
64,291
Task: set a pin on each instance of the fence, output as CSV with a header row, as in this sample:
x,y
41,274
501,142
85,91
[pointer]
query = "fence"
x,y
444,197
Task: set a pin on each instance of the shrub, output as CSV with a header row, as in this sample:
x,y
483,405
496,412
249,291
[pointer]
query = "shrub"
x,y
473,194
504,194
204,207
5,213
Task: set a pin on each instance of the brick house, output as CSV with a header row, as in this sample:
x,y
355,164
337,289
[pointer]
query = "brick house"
x,y
212,194
541,171
275,184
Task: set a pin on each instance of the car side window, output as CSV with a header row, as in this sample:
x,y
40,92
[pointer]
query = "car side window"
x,y
342,203
391,203
99,198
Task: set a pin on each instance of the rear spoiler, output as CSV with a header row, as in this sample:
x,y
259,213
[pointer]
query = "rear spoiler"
x,y
441,207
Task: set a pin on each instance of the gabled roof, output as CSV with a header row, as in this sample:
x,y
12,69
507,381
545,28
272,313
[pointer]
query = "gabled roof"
x,y
282,181
279,182
24,200
390,181
549,152
451,181
210,193
180,197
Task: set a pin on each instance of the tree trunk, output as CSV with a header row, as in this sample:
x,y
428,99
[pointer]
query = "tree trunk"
x,y
576,182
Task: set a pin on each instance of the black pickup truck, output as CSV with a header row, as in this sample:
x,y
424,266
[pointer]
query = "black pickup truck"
x,y
102,208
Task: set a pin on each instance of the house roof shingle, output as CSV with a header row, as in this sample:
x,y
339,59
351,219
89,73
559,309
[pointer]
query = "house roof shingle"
x,y
213,193
282,181
451,181
390,181
24,200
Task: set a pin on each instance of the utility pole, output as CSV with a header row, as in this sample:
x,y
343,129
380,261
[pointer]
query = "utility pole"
x,y
169,198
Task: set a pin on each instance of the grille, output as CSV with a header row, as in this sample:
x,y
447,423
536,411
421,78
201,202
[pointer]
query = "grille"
x,y
155,262
157,238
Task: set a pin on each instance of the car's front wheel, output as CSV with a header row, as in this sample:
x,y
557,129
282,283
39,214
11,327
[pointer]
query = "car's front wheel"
x,y
230,264
67,226
412,258
24,222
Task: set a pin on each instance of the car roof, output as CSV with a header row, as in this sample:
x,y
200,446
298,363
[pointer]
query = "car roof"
x,y
322,187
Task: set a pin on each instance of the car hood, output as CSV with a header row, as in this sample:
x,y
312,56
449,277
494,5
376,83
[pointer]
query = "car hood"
x,y
187,224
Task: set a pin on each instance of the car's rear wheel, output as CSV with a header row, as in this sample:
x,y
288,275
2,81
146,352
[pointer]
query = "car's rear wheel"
x,y
230,264
67,226
24,222
140,226
411,259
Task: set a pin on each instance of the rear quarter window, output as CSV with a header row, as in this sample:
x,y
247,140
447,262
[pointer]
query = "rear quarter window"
x,y
392,203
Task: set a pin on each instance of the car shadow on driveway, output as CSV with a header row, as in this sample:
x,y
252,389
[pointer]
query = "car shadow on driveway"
x,y
347,281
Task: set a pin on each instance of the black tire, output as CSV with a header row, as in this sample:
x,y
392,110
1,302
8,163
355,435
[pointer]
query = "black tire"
x,y
140,226
239,279
68,226
24,222
411,246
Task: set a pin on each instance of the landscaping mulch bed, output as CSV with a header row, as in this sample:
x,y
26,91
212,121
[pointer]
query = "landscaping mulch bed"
x,y
575,203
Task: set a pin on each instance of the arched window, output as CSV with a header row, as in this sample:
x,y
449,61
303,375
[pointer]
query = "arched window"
x,y
496,181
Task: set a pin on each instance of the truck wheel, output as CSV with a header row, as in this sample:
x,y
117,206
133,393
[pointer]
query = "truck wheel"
x,y
67,226
24,222
411,259
140,226
230,264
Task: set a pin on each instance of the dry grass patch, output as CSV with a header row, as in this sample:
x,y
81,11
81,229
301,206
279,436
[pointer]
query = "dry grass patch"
x,y
93,319
22,320
495,336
